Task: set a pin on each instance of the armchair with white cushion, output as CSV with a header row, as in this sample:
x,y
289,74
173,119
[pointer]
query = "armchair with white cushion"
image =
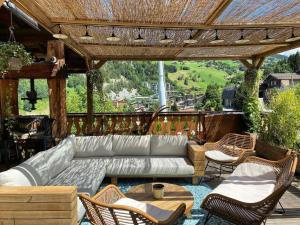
x,y
230,151
111,207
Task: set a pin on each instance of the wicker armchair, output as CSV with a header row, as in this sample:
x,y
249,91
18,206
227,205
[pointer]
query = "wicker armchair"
x,y
230,151
241,212
101,210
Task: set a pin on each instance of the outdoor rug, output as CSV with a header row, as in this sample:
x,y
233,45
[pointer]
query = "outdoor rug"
x,y
199,192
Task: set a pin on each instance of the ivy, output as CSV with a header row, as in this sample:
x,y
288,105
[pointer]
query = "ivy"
x,y
10,50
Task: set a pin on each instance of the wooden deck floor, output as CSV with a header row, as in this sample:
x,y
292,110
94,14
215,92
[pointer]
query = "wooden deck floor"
x,y
290,201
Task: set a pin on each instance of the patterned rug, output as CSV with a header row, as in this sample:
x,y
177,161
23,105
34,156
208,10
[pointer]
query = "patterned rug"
x,y
199,192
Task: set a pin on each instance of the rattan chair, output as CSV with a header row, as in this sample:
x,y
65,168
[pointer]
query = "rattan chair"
x,y
229,151
255,213
101,210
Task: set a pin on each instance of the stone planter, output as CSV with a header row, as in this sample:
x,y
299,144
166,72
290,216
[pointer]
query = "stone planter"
x,y
271,152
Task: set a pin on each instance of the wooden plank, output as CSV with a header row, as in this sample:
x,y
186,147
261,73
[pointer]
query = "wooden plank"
x,y
37,71
222,6
38,194
45,222
37,214
41,206
168,58
279,49
141,24
7,222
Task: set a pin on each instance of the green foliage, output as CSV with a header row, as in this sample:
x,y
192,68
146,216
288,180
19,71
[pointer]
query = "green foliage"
x,y
212,99
10,50
294,62
282,125
252,115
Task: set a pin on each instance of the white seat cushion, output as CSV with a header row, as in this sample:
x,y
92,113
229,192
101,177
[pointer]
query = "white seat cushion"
x,y
248,183
158,213
220,156
149,166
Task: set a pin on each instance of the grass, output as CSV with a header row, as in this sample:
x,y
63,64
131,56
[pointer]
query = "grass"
x,y
197,77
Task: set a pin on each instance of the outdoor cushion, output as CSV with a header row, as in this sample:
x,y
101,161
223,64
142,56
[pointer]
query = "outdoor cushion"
x,y
93,146
130,145
149,166
87,175
60,156
14,177
39,163
168,145
220,156
157,213
248,183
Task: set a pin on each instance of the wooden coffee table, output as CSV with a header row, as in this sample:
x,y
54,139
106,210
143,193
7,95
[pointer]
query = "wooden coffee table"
x,y
174,196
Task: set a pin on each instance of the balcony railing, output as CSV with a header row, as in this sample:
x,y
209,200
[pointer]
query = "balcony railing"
x,y
207,126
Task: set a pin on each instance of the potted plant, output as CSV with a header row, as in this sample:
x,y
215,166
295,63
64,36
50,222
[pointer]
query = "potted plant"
x,y
281,127
13,56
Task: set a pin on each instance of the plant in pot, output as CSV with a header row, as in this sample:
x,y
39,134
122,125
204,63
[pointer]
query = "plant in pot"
x,y
281,127
13,56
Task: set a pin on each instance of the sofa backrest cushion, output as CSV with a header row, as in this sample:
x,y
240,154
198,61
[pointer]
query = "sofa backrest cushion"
x,y
169,145
15,177
130,145
93,146
60,156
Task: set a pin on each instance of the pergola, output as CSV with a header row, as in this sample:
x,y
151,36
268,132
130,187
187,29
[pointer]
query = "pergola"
x,y
179,20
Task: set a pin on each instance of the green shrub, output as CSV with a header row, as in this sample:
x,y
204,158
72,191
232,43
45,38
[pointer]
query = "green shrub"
x,y
282,125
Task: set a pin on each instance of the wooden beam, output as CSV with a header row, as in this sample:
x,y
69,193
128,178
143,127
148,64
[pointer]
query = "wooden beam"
x,y
36,71
275,44
279,49
222,6
259,62
165,58
246,63
39,15
99,64
135,24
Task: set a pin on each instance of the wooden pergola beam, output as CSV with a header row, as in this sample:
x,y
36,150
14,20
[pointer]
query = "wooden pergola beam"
x,y
99,64
222,6
138,24
165,58
279,49
38,14
275,44
36,71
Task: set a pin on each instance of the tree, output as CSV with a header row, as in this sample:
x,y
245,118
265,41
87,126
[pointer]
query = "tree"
x,y
212,98
294,62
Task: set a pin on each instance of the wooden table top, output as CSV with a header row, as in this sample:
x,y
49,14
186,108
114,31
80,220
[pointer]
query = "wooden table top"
x,y
174,195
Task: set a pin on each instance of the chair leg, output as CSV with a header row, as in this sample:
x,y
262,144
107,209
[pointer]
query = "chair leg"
x,y
282,210
265,221
208,216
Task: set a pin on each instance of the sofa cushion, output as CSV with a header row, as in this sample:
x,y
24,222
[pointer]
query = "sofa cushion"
x,y
39,163
149,166
93,146
60,156
130,145
14,177
157,213
169,145
220,156
248,183
86,174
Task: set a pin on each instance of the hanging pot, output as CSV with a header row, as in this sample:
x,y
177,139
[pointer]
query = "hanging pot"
x,y
15,63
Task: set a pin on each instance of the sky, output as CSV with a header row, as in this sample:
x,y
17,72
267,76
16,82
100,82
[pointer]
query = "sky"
x,y
293,51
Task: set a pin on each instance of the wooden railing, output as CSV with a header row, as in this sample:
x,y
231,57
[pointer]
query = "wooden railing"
x,y
209,126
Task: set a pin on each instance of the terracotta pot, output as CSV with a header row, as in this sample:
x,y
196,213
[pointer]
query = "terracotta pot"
x,y
271,152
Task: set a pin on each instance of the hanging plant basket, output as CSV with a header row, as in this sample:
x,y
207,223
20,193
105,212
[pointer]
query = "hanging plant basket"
x,y
13,56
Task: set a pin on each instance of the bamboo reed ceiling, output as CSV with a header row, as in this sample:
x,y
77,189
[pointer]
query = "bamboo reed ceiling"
x,y
177,18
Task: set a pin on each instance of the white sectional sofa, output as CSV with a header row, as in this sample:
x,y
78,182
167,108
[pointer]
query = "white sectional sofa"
x,y
85,161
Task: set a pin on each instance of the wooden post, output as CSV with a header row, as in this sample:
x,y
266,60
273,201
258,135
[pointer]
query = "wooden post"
x,y
9,98
251,79
90,99
57,91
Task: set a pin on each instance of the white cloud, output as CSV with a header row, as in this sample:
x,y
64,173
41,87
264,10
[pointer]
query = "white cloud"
x,y
293,51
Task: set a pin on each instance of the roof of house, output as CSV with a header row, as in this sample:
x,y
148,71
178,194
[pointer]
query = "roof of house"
x,y
285,76
229,92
